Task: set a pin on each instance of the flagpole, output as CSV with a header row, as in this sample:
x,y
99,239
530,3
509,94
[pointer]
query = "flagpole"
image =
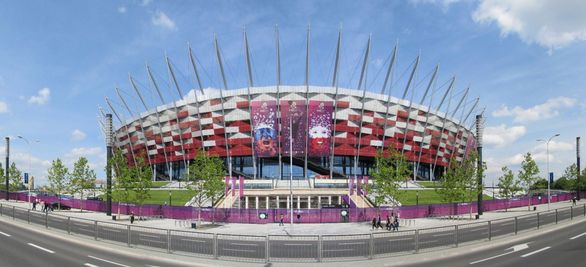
x,y
291,165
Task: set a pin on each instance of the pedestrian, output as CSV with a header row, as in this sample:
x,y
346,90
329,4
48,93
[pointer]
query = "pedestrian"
x,y
373,223
298,217
35,205
378,223
131,217
281,220
388,226
396,222
574,201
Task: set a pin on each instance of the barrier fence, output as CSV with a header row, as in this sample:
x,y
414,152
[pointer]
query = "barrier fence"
x,y
292,248
324,215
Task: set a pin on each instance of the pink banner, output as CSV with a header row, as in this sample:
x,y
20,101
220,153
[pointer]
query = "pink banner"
x,y
264,123
293,116
241,186
320,128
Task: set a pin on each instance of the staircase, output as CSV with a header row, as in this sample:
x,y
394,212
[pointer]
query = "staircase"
x,y
295,184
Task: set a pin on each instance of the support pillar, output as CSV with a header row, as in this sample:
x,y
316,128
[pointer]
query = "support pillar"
x,y
329,200
288,202
246,202
267,203
308,202
278,204
256,202
298,202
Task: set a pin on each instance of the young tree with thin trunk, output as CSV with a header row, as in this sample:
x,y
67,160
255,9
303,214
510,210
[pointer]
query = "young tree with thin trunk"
x,y
528,174
58,176
82,178
15,176
508,185
205,179
123,183
142,176
2,178
390,170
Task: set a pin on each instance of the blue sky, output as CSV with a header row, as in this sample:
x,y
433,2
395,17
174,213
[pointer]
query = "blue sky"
x,y
58,60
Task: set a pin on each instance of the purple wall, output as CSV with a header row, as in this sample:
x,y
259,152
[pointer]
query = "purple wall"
x,y
306,216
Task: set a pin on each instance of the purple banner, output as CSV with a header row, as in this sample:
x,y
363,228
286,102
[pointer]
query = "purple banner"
x,y
264,123
293,116
320,128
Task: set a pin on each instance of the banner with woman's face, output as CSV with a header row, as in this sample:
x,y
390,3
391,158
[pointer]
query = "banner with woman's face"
x,y
320,128
264,123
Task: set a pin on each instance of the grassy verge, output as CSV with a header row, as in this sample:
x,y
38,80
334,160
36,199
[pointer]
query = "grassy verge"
x,y
429,184
409,197
160,197
159,184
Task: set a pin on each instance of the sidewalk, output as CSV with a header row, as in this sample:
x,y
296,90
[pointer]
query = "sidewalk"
x,y
301,229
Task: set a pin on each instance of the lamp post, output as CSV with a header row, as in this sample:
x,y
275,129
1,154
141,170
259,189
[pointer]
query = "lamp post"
x,y
417,198
170,199
29,165
547,160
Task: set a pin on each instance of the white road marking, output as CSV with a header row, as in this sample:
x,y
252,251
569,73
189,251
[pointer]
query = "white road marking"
x,y
4,234
347,249
41,248
351,243
244,244
192,240
90,265
515,249
535,252
242,250
580,235
107,261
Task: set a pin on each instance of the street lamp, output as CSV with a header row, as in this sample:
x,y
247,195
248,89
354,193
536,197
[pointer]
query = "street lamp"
x,y
29,165
547,160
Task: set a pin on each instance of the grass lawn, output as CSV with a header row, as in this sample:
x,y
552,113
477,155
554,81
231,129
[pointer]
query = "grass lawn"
x,y
178,197
429,184
409,197
159,184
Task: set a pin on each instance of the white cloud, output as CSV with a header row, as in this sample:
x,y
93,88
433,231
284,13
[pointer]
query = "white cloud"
x,y
84,152
146,2
161,19
444,3
502,135
122,9
547,110
41,98
551,24
555,146
3,107
77,135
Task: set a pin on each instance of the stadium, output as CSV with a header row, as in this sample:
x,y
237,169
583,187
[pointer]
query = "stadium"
x,y
324,138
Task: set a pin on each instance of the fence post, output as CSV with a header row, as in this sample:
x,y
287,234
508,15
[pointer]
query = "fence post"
x,y
319,247
516,226
168,240
267,249
456,235
68,225
96,230
538,220
215,246
371,247
489,230
417,241
129,235
556,216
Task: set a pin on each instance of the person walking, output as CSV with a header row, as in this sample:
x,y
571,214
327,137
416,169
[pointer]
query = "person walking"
x,y
388,226
378,223
131,217
396,222
35,205
281,217
373,223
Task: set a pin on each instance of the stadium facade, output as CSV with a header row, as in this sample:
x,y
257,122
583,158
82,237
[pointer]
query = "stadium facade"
x,y
305,133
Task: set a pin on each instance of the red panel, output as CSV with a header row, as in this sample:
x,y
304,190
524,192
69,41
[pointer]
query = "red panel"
x,y
343,104
242,104
183,114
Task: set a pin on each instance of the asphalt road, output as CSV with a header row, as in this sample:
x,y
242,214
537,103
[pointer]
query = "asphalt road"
x,y
20,246
296,248
562,247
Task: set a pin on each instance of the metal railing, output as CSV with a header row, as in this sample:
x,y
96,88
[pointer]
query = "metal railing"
x,y
293,248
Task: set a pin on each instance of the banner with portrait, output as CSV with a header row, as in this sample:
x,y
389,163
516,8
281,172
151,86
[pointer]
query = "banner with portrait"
x,y
264,125
320,128
294,126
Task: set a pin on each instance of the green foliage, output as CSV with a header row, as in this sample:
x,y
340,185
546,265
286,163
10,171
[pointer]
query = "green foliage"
x,y
568,180
528,174
540,183
15,178
58,177
142,176
82,177
122,183
459,182
389,171
2,178
508,185
205,178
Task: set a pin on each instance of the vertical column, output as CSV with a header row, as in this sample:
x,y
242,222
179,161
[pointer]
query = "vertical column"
x,y
329,200
308,202
267,203
246,202
298,202
318,202
288,202
109,144
339,200
277,200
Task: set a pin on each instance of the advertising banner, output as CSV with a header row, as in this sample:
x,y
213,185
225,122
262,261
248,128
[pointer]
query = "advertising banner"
x,y
293,116
264,123
320,128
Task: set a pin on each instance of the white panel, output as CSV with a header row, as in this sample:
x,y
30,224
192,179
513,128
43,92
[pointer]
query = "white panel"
x,y
417,138
233,129
365,130
209,143
167,139
407,147
376,143
368,119
401,124
206,121
208,132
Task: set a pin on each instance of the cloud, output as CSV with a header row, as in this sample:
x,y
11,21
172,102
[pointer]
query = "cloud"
x,y
146,2
3,107
162,20
547,110
555,146
77,135
84,152
122,9
41,98
444,3
502,135
550,24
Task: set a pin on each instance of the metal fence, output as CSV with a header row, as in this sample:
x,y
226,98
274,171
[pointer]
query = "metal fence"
x,y
293,248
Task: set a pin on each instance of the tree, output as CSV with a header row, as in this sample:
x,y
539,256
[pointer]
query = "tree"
x,y
390,170
142,177
123,182
2,178
470,173
58,176
568,180
15,178
528,174
460,181
205,179
82,178
540,183
508,185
